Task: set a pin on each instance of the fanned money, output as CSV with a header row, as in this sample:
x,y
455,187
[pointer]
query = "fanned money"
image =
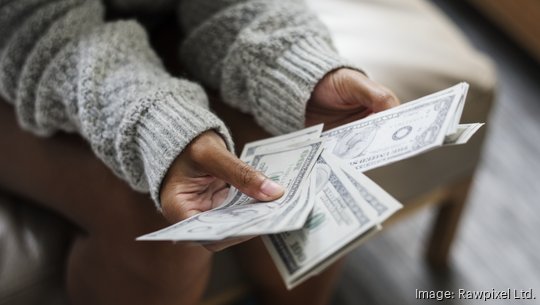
x,y
289,166
290,139
329,207
399,133
344,214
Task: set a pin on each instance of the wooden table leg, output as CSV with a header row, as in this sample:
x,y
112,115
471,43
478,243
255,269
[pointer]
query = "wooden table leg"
x,y
446,224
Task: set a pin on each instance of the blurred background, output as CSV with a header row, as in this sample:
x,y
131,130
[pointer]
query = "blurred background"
x,y
497,244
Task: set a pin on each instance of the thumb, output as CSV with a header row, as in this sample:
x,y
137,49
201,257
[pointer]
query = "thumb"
x,y
224,165
369,93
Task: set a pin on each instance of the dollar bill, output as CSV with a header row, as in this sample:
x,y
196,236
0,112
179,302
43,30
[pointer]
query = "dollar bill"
x,y
329,206
290,166
278,142
398,133
340,218
378,199
332,258
275,143
289,217
462,90
463,134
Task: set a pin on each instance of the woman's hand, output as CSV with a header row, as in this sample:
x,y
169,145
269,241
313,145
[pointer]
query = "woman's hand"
x,y
346,95
198,181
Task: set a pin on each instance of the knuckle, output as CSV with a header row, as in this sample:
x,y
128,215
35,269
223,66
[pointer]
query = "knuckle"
x,y
201,151
197,152
385,97
245,174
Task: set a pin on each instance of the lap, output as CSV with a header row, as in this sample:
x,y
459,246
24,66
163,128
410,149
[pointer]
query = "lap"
x,y
62,174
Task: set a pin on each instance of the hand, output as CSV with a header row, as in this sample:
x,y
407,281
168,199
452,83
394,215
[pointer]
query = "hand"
x,y
346,95
197,181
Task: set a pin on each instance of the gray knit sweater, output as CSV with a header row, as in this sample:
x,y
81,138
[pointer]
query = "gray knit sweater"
x,y
64,68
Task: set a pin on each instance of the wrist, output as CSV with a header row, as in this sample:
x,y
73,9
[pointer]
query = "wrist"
x,y
164,128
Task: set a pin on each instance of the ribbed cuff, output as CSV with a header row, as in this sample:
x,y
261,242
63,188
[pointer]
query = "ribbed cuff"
x,y
168,125
286,86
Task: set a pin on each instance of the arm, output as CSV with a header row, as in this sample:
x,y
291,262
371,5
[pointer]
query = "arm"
x,y
64,68
265,57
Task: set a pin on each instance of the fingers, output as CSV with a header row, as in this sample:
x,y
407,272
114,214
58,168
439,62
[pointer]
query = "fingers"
x,y
196,181
368,92
213,158
226,166
183,196
355,89
381,98
219,196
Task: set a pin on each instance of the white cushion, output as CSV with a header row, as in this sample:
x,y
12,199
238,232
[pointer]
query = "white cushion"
x,y
413,49
407,45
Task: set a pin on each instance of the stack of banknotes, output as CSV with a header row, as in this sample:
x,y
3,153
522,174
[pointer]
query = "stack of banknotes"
x,y
329,207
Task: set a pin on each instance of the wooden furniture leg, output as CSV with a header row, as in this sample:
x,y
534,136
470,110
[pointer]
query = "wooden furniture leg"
x,y
446,224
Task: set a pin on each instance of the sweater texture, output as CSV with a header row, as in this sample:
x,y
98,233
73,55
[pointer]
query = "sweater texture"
x,y
64,68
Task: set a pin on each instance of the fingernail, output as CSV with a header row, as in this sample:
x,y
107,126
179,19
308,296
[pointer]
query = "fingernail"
x,y
271,189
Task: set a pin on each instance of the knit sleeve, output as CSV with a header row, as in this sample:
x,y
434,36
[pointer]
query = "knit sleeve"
x,y
64,68
265,56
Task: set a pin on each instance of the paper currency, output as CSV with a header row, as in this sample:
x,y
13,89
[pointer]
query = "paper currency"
x,y
290,139
400,132
378,199
329,206
343,213
463,133
290,166
289,217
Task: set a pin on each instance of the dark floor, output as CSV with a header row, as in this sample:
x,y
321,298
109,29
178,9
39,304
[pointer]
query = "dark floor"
x,y
498,246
